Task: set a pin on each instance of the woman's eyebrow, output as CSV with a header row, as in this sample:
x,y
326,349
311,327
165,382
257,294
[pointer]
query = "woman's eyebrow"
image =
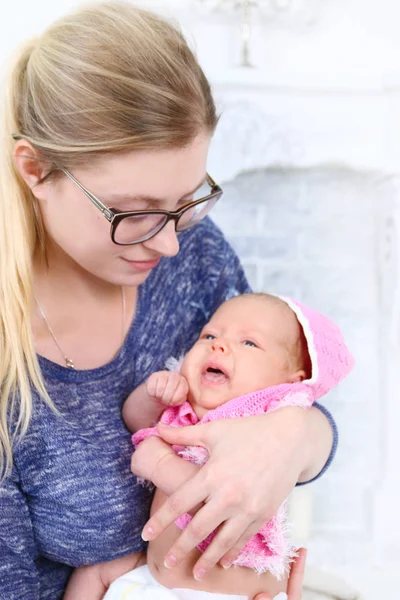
x,y
147,198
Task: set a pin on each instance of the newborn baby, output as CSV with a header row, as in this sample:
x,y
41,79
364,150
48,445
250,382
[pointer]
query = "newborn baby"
x,y
258,353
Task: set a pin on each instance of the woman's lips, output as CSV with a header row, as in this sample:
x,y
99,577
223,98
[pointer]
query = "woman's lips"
x,y
141,265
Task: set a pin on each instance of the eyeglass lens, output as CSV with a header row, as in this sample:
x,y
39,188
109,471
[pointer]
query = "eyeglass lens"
x,y
142,227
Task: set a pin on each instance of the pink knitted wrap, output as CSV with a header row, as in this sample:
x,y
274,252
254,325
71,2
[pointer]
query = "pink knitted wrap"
x,y
270,549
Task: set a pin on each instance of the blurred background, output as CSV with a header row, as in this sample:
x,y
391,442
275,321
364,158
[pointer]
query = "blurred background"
x,y
308,152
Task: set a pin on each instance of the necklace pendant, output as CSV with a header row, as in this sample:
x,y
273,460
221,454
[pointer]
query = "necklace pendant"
x,y
69,363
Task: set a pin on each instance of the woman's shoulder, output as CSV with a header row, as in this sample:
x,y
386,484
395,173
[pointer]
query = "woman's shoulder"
x,y
205,245
204,256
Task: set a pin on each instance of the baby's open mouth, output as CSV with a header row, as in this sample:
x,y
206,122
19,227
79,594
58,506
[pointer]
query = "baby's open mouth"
x,y
214,376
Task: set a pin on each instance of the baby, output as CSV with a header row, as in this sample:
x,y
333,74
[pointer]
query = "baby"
x,y
258,353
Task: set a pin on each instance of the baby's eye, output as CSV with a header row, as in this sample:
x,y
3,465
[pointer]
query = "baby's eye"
x,y
207,336
249,343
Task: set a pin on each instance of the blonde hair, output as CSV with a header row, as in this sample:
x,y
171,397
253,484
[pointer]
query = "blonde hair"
x,y
107,78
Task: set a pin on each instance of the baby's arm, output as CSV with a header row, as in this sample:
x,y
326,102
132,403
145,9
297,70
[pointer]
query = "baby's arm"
x,y
145,404
156,461
92,581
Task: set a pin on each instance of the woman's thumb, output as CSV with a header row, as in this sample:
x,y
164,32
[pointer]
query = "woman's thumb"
x,y
192,435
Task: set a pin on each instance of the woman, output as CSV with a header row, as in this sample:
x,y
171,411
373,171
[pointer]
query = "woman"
x,y
108,115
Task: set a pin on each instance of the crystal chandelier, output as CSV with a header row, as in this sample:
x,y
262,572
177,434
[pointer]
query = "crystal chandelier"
x,y
246,8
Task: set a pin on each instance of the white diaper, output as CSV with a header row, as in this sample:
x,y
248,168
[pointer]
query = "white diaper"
x,y
140,584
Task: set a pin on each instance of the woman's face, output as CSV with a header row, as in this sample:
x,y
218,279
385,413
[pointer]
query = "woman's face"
x,y
79,232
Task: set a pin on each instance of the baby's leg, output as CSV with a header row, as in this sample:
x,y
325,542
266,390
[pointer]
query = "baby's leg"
x,y
91,582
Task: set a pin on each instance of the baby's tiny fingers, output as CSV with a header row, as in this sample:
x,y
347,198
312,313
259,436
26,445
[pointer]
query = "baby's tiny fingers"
x,y
151,386
161,386
180,394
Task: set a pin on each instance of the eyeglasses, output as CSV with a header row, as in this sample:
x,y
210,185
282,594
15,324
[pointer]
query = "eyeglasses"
x,y
135,227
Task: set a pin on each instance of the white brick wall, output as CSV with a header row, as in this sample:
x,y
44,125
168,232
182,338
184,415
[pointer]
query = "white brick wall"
x,y
318,235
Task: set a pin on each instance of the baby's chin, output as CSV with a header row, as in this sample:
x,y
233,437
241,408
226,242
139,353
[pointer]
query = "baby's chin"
x,y
205,401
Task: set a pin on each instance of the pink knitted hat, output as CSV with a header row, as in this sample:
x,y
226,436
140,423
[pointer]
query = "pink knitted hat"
x,y
331,360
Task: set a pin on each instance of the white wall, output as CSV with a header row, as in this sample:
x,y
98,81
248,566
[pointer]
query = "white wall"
x,y
319,118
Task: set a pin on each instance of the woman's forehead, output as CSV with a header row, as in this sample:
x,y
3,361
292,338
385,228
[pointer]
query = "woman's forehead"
x,y
150,172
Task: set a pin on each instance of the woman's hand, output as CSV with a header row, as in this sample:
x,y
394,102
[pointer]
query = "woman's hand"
x,y
295,583
254,464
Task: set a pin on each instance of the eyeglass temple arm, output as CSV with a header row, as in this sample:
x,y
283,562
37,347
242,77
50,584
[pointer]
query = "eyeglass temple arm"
x,y
211,181
102,207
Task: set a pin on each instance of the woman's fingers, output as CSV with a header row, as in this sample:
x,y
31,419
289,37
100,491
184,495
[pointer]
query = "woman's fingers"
x,y
233,552
182,501
202,524
195,435
295,583
225,538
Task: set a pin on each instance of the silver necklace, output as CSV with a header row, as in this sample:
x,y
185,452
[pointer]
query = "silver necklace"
x,y
69,363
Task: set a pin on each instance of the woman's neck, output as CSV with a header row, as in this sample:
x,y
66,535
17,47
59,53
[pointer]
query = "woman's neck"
x,y
89,317
61,277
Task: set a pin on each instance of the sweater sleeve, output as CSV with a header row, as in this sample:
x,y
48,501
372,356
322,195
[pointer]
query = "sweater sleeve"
x,y
19,578
328,463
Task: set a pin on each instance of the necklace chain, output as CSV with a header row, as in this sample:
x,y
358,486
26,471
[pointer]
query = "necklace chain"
x,y
69,363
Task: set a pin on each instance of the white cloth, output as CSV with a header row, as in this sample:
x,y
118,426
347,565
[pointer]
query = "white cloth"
x,y
139,584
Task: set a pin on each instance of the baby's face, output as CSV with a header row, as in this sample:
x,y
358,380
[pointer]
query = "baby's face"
x,y
243,348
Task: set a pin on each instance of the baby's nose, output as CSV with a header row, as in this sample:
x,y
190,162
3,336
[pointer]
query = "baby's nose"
x,y
219,345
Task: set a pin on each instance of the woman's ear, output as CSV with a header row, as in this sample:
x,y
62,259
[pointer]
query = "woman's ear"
x,y
30,164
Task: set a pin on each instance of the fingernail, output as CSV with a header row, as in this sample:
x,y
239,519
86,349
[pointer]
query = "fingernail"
x,y
226,564
199,574
281,596
170,561
147,534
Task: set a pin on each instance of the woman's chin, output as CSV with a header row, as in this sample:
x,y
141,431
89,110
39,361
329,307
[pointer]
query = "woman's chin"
x,y
130,279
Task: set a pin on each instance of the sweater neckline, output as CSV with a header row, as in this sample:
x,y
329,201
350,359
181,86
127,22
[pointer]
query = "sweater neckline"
x,y
55,371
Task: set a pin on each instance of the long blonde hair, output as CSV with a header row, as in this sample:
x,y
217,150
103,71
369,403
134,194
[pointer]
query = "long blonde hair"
x,y
106,78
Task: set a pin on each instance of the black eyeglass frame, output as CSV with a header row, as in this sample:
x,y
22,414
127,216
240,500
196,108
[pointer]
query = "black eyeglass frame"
x,y
114,216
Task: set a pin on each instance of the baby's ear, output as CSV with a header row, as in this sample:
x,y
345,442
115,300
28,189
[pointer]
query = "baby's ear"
x,y
297,377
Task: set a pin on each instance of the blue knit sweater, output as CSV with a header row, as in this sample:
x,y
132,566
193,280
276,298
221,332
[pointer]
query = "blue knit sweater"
x,y
71,499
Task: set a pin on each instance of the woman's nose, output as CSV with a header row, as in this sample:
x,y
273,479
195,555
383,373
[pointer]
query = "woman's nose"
x,y
165,242
220,345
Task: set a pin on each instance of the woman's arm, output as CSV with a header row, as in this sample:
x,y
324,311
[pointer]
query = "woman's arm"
x,y
319,439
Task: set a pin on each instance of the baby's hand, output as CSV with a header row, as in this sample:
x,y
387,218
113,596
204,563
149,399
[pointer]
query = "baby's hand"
x,y
167,387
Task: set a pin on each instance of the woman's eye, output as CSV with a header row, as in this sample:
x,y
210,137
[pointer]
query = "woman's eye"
x,y
249,343
208,336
